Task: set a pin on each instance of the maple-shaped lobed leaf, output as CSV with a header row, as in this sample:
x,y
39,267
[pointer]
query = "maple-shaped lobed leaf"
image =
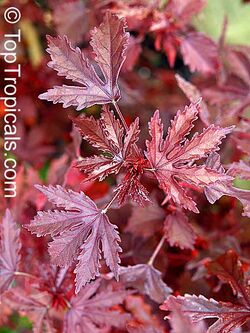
x,y
181,323
200,53
91,310
98,86
178,231
78,231
230,316
146,279
229,269
108,136
119,151
10,246
215,191
172,159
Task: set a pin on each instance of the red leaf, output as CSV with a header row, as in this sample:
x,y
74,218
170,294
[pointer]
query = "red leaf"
x,y
9,250
178,231
194,95
144,321
185,9
145,221
215,191
230,316
146,279
131,187
71,19
181,323
132,55
107,135
109,42
77,233
91,310
241,169
229,269
172,159
200,53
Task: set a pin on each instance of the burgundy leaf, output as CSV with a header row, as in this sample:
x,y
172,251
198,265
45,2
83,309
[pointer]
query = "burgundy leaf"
x,y
144,321
132,55
200,53
178,231
77,232
109,42
230,316
131,187
181,323
169,157
145,221
71,19
229,269
215,191
9,250
241,169
90,310
194,95
146,279
93,131
107,135
185,9
112,128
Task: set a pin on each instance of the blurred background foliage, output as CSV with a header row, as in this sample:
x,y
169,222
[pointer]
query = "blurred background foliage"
x,y
238,13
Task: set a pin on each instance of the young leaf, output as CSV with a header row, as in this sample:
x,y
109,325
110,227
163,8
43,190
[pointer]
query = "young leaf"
x,y
109,42
91,310
146,279
9,250
172,159
108,136
200,53
178,231
230,316
215,191
77,232
120,151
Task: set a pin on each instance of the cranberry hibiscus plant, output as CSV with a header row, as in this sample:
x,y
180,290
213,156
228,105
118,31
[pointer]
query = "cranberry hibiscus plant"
x,y
183,164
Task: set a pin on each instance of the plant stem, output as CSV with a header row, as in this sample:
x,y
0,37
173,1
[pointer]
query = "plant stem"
x,y
156,251
120,115
106,208
30,276
67,302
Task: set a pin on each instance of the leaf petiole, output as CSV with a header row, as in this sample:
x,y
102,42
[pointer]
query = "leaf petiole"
x,y
156,251
120,115
27,275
